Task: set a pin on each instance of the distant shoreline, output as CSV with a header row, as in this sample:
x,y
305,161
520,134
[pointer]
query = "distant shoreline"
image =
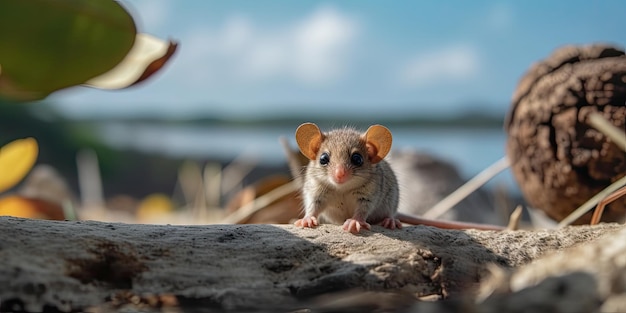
x,y
474,121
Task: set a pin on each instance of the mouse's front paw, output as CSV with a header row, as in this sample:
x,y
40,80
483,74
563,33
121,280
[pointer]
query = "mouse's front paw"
x,y
354,225
391,223
307,221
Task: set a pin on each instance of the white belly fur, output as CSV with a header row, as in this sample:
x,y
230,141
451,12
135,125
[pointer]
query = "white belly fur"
x,y
339,207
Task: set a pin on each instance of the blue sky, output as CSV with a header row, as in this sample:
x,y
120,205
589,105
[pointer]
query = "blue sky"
x,y
369,58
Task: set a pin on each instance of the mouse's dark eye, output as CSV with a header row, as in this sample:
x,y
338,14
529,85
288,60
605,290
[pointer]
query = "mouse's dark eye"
x,y
356,159
324,158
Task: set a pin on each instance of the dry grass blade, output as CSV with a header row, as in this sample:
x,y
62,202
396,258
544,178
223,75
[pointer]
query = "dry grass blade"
x,y
515,218
234,173
190,181
462,192
619,137
608,129
296,161
259,203
89,179
585,207
212,178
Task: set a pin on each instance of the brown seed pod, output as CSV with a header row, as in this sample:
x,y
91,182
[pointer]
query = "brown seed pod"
x,y
557,158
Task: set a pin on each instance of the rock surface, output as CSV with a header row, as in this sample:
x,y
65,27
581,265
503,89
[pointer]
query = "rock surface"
x,y
585,278
425,179
72,266
558,160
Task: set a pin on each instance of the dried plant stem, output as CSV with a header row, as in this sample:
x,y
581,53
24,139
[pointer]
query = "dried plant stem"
x,y
259,203
597,213
600,123
190,182
515,218
234,173
89,179
69,210
212,179
462,192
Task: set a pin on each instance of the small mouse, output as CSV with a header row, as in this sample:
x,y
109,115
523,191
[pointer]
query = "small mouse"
x,y
347,180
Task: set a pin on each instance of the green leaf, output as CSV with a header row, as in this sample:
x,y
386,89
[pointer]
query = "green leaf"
x,y
47,45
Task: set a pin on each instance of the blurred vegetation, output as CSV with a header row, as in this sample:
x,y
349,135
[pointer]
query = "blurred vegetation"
x,y
61,139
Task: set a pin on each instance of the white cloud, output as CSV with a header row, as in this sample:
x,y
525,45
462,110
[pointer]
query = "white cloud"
x,y
450,64
235,35
312,51
320,42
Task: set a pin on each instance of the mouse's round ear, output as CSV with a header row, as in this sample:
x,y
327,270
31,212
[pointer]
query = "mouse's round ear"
x,y
309,139
378,140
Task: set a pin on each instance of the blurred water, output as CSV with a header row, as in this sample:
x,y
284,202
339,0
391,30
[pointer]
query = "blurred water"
x,y
470,149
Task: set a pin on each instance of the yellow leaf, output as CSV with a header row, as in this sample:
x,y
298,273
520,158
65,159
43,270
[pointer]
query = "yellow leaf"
x,y
153,206
16,160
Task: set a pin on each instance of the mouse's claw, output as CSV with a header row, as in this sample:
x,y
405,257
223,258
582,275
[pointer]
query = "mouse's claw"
x,y
307,221
354,225
391,223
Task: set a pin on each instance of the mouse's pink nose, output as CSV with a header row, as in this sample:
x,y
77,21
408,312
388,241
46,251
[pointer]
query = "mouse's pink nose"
x,y
340,175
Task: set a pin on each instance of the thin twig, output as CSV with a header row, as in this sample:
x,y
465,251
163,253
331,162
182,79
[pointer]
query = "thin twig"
x,y
597,213
462,192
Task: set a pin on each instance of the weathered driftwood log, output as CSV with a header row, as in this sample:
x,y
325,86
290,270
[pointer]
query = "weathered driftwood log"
x,y
78,265
586,278
558,159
